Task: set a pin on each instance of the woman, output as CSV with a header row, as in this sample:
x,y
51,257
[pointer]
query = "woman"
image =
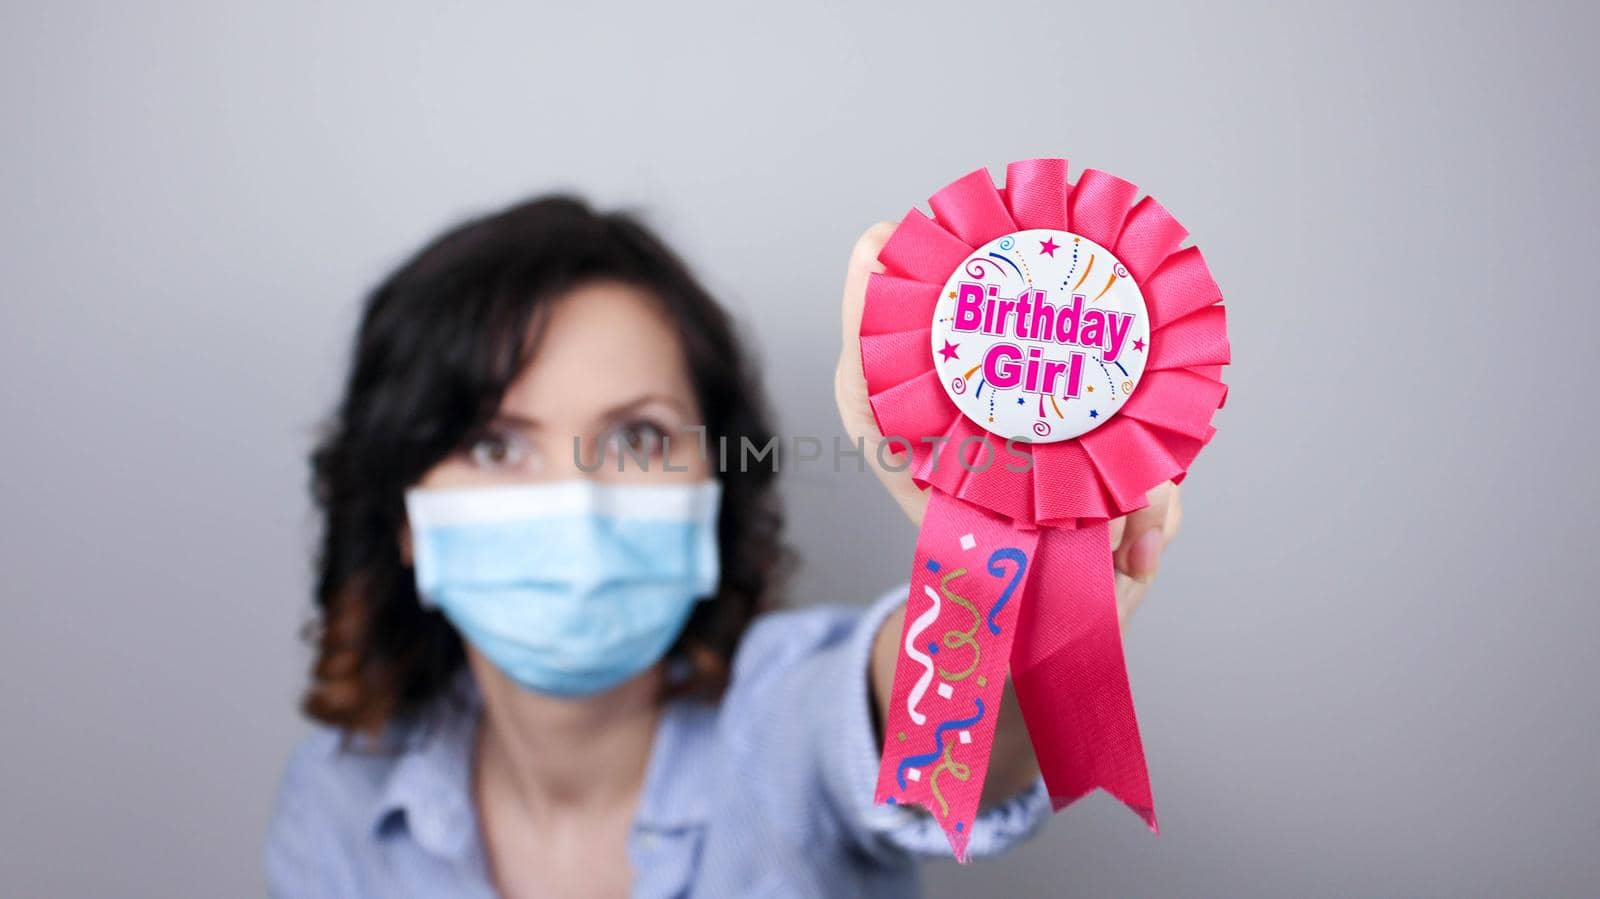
x,y
544,665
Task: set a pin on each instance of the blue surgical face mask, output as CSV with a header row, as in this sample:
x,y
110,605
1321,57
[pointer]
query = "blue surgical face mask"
x,y
569,588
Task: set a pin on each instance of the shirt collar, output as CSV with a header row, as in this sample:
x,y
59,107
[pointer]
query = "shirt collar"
x,y
428,791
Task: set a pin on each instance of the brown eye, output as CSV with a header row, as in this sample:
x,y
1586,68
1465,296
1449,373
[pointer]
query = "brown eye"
x,y
638,437
499,450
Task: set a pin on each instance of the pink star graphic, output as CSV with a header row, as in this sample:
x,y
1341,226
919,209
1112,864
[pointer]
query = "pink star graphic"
x,y
949,351
1139,345
1049,246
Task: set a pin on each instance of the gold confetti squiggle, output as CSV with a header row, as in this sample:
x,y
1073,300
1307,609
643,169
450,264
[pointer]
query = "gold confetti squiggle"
x,y
959,770
1109,281
957,638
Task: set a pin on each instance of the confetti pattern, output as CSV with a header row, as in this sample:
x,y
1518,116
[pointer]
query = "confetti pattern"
x,y
968,594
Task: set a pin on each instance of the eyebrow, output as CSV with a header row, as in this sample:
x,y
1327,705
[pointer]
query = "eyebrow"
x,y
621,409
523,422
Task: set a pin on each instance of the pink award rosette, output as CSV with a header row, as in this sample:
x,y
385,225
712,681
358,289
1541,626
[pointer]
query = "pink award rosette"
x,y
1046,353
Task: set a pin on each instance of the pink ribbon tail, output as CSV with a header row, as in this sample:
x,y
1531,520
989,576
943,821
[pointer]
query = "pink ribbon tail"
x,y
1071,681
968,582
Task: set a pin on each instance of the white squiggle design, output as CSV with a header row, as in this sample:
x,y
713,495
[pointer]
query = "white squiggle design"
x,y
923,622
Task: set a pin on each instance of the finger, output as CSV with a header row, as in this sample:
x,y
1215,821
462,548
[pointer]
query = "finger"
x,y
1144,555
1117,527
1174,514
1139,523
1164,512
1130,594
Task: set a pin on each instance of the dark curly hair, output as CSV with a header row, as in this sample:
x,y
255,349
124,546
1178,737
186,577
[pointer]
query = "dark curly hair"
x,y
440,341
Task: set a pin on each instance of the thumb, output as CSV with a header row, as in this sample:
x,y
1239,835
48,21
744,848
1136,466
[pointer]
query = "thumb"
x,y
863,262
850,382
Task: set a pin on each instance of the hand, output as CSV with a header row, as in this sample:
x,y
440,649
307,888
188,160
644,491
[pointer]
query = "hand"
x,y
1137,540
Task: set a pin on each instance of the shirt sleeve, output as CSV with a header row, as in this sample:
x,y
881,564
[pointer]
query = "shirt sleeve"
x,y
816,664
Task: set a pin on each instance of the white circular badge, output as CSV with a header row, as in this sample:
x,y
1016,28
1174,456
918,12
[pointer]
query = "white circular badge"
x,y
1040,335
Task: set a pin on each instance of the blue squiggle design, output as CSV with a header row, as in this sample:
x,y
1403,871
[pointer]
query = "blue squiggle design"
x,y
916,761
1010,263
995,558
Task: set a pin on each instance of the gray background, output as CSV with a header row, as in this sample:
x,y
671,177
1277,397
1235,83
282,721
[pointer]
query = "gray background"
x,y
1367,668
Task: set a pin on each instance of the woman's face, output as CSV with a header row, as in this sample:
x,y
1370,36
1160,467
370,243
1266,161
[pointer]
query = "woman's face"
x,y
608,373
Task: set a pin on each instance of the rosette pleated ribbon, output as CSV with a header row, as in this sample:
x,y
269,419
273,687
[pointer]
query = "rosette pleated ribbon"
x,y
1013,568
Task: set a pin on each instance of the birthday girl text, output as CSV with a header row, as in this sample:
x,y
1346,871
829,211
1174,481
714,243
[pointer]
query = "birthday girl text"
x,y
1031,317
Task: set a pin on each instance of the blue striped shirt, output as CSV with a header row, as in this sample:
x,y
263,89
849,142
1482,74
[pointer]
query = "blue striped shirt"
x,y
768,793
